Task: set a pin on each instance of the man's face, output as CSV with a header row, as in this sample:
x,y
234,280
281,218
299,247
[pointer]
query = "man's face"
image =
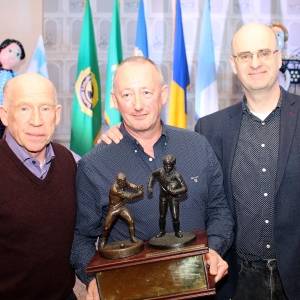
x,y
256,75
10,56
31,114
139,96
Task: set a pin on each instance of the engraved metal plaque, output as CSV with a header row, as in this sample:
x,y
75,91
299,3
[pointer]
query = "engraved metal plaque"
x,y
154,279
156,274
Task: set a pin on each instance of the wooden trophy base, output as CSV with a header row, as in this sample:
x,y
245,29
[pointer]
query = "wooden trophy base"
x,y
156,274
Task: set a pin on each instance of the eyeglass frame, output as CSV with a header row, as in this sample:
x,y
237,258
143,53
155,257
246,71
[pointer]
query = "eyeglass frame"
x,y
260,51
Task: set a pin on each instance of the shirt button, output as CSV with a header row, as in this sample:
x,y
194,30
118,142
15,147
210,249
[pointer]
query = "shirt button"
x,y
264,170
263,123
263,145
267,221
135,151
34,162
268,246
150,158
265,194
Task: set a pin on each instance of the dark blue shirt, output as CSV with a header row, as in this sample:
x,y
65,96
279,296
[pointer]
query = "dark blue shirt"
x,y
204,207
253,184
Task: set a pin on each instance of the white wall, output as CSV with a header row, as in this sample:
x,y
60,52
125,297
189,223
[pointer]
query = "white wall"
x,y
22,20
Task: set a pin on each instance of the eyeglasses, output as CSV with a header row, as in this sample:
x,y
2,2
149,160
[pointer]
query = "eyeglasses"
x,y
261,55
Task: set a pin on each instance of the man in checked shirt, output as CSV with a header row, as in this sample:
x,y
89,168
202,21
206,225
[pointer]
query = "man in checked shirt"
x,y
139,94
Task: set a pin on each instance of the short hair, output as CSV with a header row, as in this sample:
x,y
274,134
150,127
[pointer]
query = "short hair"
x,y
140,60
169,159
7,42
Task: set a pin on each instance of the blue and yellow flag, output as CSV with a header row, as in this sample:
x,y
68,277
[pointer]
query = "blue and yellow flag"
x,y
141,41
181,80
86,113
115,57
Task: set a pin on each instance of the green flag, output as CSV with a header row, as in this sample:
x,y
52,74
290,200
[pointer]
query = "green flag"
x,y
112,116
86,113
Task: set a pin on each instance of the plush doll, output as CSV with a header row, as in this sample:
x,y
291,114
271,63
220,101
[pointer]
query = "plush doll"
x,y
11,52
284,75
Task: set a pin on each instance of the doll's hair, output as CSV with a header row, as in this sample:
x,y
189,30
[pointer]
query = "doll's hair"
x,y
7,42
285,31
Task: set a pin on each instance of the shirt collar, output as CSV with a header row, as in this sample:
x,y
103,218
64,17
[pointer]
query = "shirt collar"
x,y
24,155
164,133
247,110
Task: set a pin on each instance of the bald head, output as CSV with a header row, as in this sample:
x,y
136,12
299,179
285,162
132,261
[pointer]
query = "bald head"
x,y
30,112
26,85
253,32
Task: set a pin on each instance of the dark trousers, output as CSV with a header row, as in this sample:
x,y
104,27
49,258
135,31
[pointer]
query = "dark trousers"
x,y
259,280
71,297
173,203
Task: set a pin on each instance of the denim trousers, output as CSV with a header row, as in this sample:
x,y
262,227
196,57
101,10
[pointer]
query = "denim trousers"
x,y
259,280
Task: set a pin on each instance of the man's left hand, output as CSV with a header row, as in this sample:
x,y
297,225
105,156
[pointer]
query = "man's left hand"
x,y
218,267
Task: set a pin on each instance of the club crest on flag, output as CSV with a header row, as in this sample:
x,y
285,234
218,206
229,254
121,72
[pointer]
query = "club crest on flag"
x,y
86,88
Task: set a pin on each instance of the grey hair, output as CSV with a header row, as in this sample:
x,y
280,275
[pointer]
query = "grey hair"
x,y
140,60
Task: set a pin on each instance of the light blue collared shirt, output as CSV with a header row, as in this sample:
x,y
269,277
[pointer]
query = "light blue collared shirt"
x,y
30,162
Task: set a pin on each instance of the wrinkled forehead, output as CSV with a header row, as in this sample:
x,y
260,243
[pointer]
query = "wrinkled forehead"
x,y
254,38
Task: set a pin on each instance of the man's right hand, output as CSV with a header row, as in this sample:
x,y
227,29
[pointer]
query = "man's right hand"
x,y
92,291
113,134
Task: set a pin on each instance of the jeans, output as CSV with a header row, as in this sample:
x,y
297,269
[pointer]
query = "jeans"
x,y
259,280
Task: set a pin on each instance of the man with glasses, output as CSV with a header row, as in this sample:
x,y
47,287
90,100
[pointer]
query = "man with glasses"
x,y
257,142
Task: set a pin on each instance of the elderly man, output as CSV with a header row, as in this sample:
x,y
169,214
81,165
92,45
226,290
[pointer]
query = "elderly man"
x,y
37,199
257,143
139,94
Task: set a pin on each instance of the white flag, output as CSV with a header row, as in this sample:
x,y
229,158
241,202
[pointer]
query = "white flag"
x,y
206,98
38,62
